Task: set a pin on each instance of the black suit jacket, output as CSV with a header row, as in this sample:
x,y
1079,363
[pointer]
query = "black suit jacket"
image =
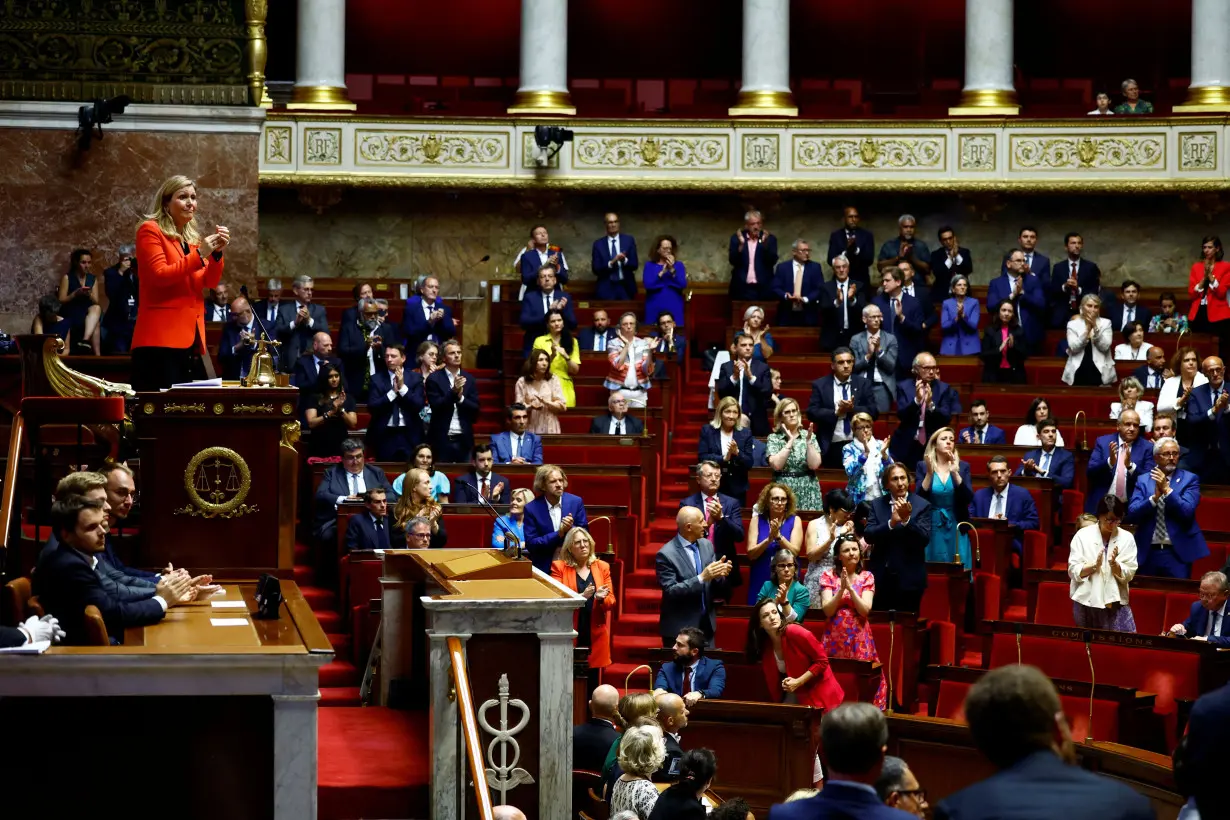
x,y
261,310
381,408
232,363
601,425
66,584
832,335
534,319
734,471
944,274
860,262
590,743
304,373
353,350
335,484
11,636
442,399
466,488
822,412
900,552
1088,279
1142,375
296,339
361,533
755,394
766,259
585,337
1113,310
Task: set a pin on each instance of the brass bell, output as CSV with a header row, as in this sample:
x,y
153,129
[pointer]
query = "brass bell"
x,y
261,372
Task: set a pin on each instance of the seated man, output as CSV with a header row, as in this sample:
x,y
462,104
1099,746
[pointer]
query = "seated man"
x,y
898,788
617,422
343,482
516,445
362,341
1155,370
306,370
592,740
1049,460
981,431
238,341
1007,503
549,517
481,481
426,317
1207,619
420,534
217,309
596,337
370,530
395,399
691,675
1127,308
671,345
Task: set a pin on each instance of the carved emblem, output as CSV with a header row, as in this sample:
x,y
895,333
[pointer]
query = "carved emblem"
x,y
1086,151
217,481
183,408
506,775
148,408
431,147
650,151
290,435
287,409
252,408
869,152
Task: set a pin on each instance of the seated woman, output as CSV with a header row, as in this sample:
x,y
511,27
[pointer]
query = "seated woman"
x,y
1177,390
423,459
50,321
330,414
1003,347
1169,320
541,392
847,592
864,459
632,709
784,587
1133,348
1130,392
416,503
796,667
514,521
564,353
1132,103
754,325
1101,564
794,454
726,441
774,526
80,301
682,800
944,481
959,320
1089,338
822,532
581,570
642,751
1027,434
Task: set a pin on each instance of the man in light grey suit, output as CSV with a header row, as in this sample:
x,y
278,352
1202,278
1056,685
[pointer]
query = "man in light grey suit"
x,y
687,573
875,358
299,320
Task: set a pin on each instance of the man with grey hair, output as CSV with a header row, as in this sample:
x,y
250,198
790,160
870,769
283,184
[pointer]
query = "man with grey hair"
x,y
298,321
422,533
1163,508
362,343
875,358
906,247
924,405
218,308
898,787
426,317
1206,621
616,422
267,308
841,305
797,285
122,295
753,254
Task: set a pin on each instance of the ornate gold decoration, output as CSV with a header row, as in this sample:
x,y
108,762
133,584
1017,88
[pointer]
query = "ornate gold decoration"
x,y
252,408
891,153
1205,99
556,103
69,383
290,435
1080,152
682,151
987,102
279,144
977,152
438,148
320,98
218,409
287,409
322,146
760,152
217,480
1198,151
255,12
183,408
764,104
148,408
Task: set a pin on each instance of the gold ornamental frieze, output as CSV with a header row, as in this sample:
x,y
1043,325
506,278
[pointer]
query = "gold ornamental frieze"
x,y
1097,152
452,149
183,408
821,152
252,408
702,152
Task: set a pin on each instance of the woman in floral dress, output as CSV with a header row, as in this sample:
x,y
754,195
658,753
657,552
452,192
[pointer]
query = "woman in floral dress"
x,y
794,455
846,595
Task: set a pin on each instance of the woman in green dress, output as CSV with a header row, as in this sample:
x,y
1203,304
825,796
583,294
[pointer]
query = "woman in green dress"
x,y
1132,103
794,454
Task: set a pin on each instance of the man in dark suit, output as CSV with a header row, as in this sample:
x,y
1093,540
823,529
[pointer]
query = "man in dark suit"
x,y
687,574
267,309
395,400
690,674
592,740
1122,451
453,396
33,630
343,482
898,788
841,307
1036,263
362,343
537,304
835,399
749,382
306,369
299,321
1049,461
796,284
875,358
238,341
904,319
1017,722
1198,771
1072,279
616,422
596,337
949,260
753,255
550,516
351,314
426,317
853,739
1154,371
370,530
614,263
980,430
482,481
899,529
671,345
516,445
218,306
1026,294
924,405
856,244
1163,508
1207,425
723,522
906,247
1127,308
1006,502
1207,619
673,718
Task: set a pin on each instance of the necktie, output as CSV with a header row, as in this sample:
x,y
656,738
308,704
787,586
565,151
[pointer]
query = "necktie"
x,y
892,315
546,303
1155,381
1214,626
1046,463
704,503
1129,315
845,310
619,427
751,261
379,525
1159,528
798,279
699,570
602,342
1029,260
484,490
982,436
618,268
1075,295
354,484
687,678
845,420
1120,484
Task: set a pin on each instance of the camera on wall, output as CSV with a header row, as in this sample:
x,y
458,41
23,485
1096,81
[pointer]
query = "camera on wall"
x,y
548,139
90,117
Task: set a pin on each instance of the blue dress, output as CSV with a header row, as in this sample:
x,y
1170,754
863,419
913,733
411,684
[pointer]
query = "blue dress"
x,y
944,524
664,292
762,568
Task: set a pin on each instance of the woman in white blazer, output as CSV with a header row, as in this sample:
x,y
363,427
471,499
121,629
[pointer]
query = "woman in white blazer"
x,y
1174,393
1101,564
1089,341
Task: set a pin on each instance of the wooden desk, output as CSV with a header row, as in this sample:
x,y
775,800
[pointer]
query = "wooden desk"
x,y
219,720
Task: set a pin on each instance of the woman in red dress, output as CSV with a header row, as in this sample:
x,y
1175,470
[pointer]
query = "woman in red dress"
x,y
846,594
1207,284
796,669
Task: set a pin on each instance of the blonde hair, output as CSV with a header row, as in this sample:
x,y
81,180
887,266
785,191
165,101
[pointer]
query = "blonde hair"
x,y
565,550
407,506
727,401
159,213
1085,519
79,483
862,418
642,750
523,492
781,408
543,475
634,706
929,453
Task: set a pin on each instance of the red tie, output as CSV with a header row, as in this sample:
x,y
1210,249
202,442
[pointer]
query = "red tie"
x,y
1075,293
687,680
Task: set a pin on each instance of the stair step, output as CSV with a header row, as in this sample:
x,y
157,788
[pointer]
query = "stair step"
x,y
303,553
621,644
341,645
339,673
319,598
331,622
339,696
304,575
642,600
638,624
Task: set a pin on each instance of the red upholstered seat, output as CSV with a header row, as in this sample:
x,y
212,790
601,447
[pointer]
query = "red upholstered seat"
x,y
1213,512
988,602
950,704
883,641
731,634
1054,604
1036,549
1149,610
1214,561
1178,607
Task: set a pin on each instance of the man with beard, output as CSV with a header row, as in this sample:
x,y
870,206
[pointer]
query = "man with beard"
x,y
1163,507
691,675
362,343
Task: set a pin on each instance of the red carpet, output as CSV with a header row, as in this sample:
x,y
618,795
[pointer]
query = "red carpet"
x,y
373,762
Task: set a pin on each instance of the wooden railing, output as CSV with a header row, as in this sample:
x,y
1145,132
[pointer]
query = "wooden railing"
x,y
469,728
9,498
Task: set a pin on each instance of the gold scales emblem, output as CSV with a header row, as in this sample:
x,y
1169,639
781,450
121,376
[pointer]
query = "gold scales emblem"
x,y
217,480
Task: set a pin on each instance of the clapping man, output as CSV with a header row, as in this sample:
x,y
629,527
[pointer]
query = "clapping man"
x,y
549,517
614,263
1207,619
395,400
906,248
426,318
481,481
924,405
453,396
1049,460
238,341
856,245
835,399
753,254
949,260
841,306
875,358
687,574
1072,279
344,482
898,530
903,318
749,382
1163,508
370,530
1118,460
981,431
797,286
723,521
299,321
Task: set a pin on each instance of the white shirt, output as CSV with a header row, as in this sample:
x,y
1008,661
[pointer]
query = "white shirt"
x,y
839,433
454,425
876,376
1124,353
271,314
951,261
556,512
1027,436
1129,315
1044,461
726,439
92,560
1102,587
999,503
1169,394
612,243
427,309
618,426
355,483
397,418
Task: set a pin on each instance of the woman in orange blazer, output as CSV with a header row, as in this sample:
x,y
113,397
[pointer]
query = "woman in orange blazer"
x,y
176,264
1207,285
580,569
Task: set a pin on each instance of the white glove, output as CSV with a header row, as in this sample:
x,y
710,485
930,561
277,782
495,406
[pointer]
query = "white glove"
x,y
46,628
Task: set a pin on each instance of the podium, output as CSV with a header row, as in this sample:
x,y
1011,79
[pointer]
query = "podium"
x,y
219,475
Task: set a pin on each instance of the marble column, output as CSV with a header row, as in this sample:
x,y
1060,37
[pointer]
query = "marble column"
x,y
294,756
320,64
766,61
544,60
448,770
1210,88
988,61
555,698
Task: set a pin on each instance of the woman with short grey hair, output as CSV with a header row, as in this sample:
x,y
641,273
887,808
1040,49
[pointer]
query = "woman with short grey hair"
x,y
642,752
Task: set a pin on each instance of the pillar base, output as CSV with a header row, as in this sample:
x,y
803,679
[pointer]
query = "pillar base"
x,y
1207,99
549,103
764,104
320,98
988,102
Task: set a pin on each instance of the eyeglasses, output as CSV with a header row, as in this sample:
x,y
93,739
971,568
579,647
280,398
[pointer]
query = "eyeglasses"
x,y
918,794
410,535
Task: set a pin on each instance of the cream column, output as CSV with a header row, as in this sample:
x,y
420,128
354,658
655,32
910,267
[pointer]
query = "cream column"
x,y
320,65
766,61
544,60
1210,88
988,61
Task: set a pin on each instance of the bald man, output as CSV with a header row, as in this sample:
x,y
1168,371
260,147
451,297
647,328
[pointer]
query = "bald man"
x,y
673,717
1207,436
507,813
592,740
307,368
687,574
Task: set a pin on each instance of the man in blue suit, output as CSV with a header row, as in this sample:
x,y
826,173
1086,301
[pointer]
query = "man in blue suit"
x,y
1154,371
370,530
1005,502
1049,461
797,286
1072,279
1205,757
1208,427
614,263
482,481
426,317
1163,507
1026,294
306,369
361,343
550,516
853,739
238,341
903,319
453,396
1124,450
723,519
1127,308
691,675
858,245
516,445
753,254
898,529
1207,620
981,431
395,400
596,337
1017,722
538,303
835,399
1037,264
343,482
924,405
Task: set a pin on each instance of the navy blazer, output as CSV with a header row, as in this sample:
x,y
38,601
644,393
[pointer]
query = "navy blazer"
x,y
335,484
261,310
361,533
838,801
904,445
353,349
1186,536
931,314
305,372
944,274
900,551
831,333
909,332
113,559
1042,785
501,447
1088,279
1209,438
118,581
1030,306
415,329
994,435
602,424
783,289
766,258
297,339
1113,310
821,410
755,394
1144,373
381,407
1197,624
529,265
585,337
442,399
860,260
466,488
709,677
1039,266
734,471
1062,468
686,600
724,534
590,743
609,288
66,584
1021,511
1101,474
534,319
541,539
235,365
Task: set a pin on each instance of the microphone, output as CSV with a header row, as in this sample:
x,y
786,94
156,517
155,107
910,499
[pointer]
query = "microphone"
x,y
273,350
1093,684
512,544
892,640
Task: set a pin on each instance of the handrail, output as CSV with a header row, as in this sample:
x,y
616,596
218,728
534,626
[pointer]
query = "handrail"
x,y
469,728
9,496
